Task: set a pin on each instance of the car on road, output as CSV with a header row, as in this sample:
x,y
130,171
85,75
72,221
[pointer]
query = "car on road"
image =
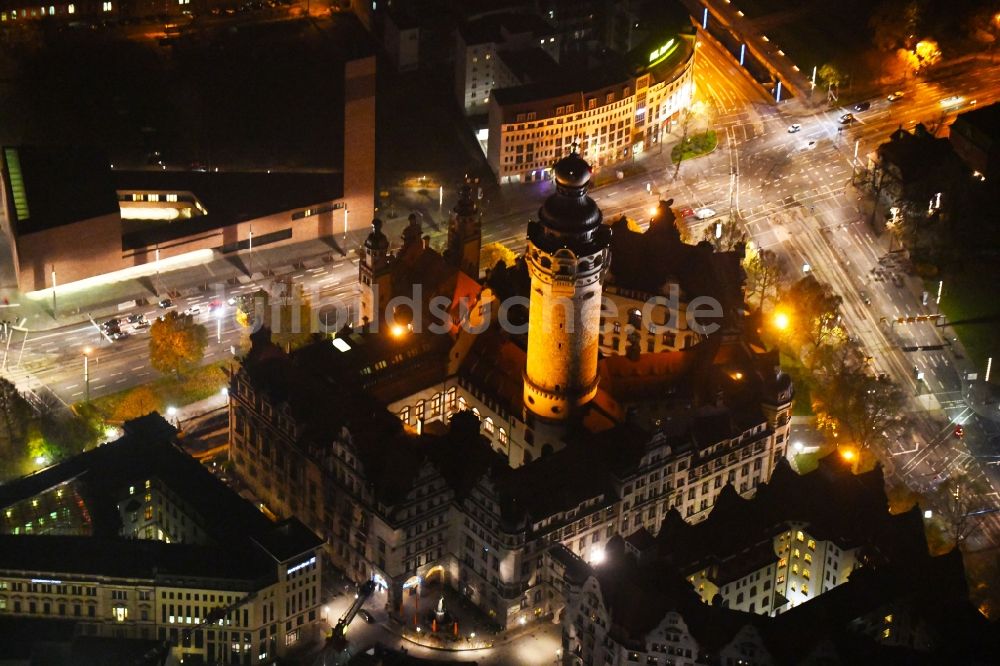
x,y
959,432
192,311
847,118
898,95
811,145
165,303
865,298
117,335
366,616
704,213
862,106
794,127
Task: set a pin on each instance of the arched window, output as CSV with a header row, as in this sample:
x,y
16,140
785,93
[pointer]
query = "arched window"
x,y
475,410
461,404
503,437
404,414
449,401
419,410
488,425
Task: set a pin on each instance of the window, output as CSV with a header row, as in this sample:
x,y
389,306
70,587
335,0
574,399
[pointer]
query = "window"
x,y
800,536
120,613
106,6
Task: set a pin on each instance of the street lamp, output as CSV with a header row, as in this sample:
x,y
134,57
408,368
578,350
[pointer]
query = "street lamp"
x,y
86,373
172,414
781,321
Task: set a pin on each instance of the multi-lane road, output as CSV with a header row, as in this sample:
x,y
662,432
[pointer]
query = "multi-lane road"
x,y
793,191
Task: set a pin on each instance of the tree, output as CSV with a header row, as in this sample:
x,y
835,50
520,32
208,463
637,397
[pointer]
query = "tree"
x,y
831,76
138,402
725,236
15,413
496,252
765,275
894,24
815,319
956,502
176,344
290,315
865,406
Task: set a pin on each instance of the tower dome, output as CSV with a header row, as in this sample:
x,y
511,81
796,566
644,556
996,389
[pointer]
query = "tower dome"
x,y
572,172
569,215
377,240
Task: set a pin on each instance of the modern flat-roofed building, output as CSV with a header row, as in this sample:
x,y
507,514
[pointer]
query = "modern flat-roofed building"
x,y
612,112
70,216
135,539
478,44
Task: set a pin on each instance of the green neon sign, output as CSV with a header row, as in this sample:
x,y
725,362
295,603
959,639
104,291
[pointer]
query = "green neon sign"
x,y
662,52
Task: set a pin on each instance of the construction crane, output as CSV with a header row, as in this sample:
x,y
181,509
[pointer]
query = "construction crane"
x,y
337,640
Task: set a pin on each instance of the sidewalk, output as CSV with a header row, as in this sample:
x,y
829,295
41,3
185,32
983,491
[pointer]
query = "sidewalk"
x,y
79,305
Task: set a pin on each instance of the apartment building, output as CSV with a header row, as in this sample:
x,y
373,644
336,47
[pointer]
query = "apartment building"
x,y
136,540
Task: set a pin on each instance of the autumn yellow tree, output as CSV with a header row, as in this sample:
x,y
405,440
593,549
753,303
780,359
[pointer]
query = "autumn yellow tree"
x,y
176,344
495,252
138,402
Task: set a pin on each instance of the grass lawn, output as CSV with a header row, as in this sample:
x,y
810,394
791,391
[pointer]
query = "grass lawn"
x,y
694,146
969,296
201,383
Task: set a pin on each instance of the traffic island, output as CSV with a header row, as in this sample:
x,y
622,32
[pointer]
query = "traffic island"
x,y
693,146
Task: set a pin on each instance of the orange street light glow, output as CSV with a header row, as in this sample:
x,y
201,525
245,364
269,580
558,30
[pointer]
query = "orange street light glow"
x,y
397,330
848,454
781,321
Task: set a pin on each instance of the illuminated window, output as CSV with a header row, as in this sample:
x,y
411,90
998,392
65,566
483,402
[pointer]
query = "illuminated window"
x,y
149,513
808,558
782,563
812,544
795,568
888,619
781,579
120,613
800,536
796,553
503,436
488,425
106,6
805,588
887,633
71,9
805,573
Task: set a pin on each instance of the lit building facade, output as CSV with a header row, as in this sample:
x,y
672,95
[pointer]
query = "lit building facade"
x,y
612,117
136,540
428,458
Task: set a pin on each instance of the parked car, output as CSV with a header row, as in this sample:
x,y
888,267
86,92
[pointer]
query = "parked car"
x,y
192,311
862,106
793,128
704,213
166,303
111,324
865,297
847,118
959,432
899,94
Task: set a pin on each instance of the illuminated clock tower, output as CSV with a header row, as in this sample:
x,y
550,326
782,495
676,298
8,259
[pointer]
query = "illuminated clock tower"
x,y
567,257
